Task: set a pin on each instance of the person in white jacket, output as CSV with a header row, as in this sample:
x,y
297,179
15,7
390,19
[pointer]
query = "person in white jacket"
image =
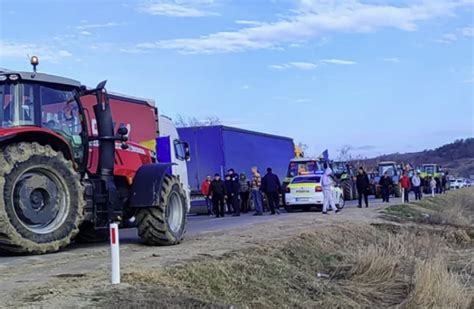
x,y
416,182
327,183
433,186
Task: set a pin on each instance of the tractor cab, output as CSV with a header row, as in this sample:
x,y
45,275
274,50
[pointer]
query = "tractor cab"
x,y
41,103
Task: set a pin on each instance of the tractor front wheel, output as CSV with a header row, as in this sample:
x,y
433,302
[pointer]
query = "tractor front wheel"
x,y
165,222
41,199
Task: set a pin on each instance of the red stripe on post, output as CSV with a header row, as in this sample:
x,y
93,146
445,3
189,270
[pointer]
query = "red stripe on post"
x,y
113,237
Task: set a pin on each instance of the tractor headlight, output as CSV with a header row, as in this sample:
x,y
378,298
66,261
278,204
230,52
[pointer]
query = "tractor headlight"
x,y
3,78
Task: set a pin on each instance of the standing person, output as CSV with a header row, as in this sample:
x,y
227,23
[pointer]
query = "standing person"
x,y
271,186
244,193
218,195
363,184
405,184
233,190
416,182
438,185
205,190
444,182
327,183
433,186
255,185
385,183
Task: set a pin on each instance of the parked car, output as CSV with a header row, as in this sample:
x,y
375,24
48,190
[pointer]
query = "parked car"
x,y
305,192
457,183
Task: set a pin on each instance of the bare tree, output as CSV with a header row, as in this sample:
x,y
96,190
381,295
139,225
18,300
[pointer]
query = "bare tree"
x,y
345,153
182,121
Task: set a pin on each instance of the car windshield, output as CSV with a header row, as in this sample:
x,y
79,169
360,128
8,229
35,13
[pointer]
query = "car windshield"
x,y
303,168
311,179
389,169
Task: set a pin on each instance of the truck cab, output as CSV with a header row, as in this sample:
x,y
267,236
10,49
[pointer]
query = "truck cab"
x,y
170,149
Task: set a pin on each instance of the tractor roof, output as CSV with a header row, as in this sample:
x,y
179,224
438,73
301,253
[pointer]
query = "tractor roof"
x,y
42,77
387,163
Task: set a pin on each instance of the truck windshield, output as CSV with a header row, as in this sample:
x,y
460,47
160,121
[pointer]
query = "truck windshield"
x,y
428,169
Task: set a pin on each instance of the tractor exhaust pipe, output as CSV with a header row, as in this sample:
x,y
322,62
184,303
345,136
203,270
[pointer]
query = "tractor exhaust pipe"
x,y
105,129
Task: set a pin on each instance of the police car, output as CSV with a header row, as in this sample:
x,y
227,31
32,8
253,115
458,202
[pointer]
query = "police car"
x,y
306,191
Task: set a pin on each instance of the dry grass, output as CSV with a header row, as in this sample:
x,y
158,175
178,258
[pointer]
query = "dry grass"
x,y
436,287
369,266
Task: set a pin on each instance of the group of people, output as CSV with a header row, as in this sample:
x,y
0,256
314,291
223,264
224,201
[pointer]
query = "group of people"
x,y
233,194
415,184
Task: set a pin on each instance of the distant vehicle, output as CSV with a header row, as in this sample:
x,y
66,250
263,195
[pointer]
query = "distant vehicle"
x,y
457,183
467,182
392,171
305,192
215,149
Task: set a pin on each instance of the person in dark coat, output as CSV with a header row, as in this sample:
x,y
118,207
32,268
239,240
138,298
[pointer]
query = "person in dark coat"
x,y
271,186
385,184
218,194
244,193
363,184
232,184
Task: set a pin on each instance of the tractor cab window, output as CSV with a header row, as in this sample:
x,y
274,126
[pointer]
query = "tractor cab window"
x,y
60,113
17,105
389,169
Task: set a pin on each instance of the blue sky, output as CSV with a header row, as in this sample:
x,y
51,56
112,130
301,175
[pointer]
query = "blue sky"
x,y
380,76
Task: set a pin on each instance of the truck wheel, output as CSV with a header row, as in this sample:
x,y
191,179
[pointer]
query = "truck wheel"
x,y
396,191
165,223
341,203
41,199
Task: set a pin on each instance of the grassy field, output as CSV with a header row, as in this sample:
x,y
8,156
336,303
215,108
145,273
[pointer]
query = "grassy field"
x,y
426,263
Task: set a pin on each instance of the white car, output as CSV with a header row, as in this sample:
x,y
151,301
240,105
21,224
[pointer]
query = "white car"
x,y
457,183
306,191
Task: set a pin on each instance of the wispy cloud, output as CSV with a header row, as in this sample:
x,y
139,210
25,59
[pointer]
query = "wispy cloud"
x,y
178,8
22,50
337,61
390,59
299,65
249,22
467,31
245,87
313,20
447,38
94,26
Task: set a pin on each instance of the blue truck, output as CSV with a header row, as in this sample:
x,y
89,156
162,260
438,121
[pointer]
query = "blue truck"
x,y
215,149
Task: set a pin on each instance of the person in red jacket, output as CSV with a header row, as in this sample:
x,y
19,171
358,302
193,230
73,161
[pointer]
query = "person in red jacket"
x,y
405,184
205,185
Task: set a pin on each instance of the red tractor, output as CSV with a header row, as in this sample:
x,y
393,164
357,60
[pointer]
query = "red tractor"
x,y
74,159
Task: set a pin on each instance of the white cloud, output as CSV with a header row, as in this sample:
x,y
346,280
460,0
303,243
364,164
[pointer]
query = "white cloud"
x,y
391,59
338,61
467,31
104,25
447,38
178,8
22,50
306,66
294,65
85,33
315,19
245,87
249,22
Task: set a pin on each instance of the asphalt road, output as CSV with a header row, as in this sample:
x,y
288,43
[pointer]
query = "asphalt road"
x,y
197,224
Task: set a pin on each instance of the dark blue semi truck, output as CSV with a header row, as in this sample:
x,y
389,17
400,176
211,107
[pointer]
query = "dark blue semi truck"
x,y
215,149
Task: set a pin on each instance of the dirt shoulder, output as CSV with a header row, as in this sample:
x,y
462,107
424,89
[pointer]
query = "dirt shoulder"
x,y
72,277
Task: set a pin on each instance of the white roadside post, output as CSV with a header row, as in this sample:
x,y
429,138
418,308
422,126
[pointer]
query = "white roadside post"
x,y
403,195
115,252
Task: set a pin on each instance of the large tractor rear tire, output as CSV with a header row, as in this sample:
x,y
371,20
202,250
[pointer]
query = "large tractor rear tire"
x,y
347,189
41,199
165,223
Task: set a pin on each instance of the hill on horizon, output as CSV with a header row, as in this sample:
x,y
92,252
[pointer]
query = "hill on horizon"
x,y
456,157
